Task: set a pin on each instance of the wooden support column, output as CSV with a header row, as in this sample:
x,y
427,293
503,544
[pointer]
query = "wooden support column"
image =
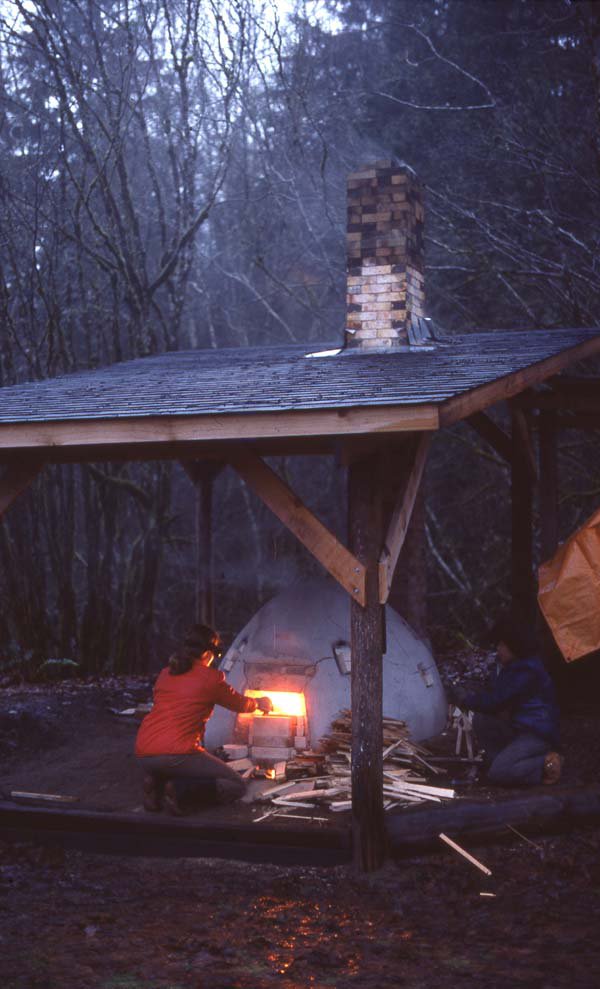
x,y
203,475
548,434
367,637
522,580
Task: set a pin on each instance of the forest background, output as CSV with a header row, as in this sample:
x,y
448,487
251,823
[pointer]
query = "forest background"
x,y
173,176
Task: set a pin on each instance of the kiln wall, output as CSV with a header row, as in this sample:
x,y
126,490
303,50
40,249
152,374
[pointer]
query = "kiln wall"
x,y
300,627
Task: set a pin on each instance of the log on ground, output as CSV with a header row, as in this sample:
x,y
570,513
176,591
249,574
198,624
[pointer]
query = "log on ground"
x,y
417,829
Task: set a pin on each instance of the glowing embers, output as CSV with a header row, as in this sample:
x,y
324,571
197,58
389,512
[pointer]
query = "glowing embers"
x,y
286,703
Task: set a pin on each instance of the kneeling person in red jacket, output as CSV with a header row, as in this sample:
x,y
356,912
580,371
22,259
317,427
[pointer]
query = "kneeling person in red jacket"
x,y
169,743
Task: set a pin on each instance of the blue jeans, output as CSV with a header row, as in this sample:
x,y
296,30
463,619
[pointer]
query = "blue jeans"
x,y
200,767
512,757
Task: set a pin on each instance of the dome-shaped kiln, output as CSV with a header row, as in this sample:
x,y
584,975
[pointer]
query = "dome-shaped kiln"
x,y
299,643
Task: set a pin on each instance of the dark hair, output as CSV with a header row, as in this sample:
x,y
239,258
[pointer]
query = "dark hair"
x,y
521,640
195,641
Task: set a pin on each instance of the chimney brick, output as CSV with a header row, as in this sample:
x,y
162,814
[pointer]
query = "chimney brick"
x,y
385,288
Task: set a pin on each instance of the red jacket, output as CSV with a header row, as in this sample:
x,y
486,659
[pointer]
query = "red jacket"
x,y
182,705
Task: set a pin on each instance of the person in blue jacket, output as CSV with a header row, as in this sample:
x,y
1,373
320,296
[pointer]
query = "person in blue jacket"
x,y
516,719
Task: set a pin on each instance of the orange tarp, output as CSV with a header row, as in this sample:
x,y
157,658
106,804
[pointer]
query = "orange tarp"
x,y
569,591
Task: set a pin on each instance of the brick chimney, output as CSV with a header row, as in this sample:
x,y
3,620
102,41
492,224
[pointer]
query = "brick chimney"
x,y
385,294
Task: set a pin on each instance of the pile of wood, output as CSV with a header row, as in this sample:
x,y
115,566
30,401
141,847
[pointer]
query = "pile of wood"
x,y
407,774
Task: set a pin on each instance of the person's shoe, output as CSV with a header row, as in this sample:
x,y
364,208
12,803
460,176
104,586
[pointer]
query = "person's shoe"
x,y
152,795
552,767
171,801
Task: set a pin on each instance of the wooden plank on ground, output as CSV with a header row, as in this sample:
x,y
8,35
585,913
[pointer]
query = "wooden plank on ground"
x,y
289,508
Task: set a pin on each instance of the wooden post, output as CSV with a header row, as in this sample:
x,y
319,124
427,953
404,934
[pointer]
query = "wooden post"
x,y
203,475
522,582
548,484
548,473
367,637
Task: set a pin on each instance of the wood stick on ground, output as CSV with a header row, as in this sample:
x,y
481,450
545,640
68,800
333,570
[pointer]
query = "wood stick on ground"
x,y
57,798
465,854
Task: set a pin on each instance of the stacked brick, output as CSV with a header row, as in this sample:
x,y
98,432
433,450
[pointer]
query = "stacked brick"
x,y
385,256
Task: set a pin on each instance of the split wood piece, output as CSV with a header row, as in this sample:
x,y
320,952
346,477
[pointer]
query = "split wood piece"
x,y
492,434
436,791
269,813
465,854
15,479
288,507
300,817
401,516
410,798
56,798
318,795
339,805
267,794
281,802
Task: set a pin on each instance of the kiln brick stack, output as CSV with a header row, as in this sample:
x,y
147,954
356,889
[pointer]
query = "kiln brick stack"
x,y
385,256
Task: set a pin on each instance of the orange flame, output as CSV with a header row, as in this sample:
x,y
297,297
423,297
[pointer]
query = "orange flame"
x,y
285,702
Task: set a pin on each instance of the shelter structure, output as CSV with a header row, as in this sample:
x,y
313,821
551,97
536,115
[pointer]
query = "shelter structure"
x,y
373,403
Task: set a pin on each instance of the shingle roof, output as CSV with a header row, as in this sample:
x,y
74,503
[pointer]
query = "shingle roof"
x,y
273,379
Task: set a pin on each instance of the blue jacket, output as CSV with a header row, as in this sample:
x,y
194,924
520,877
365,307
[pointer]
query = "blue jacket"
x,y
524,689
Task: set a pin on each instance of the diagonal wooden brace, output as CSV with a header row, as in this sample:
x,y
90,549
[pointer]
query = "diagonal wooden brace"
x,y
16,478
492,433
316,537
400,519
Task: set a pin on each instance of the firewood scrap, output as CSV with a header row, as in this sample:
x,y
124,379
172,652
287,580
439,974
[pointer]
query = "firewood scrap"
x,y
405,781
55,798
470,858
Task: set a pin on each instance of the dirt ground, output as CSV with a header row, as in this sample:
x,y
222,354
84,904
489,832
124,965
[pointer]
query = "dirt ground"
x,y
70,920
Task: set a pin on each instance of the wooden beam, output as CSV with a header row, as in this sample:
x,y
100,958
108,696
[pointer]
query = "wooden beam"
x,y
401,515
477,399
579,395
294,514
367,642
16,478
571,384
218,428
577,421
183,451
492,434
522,583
